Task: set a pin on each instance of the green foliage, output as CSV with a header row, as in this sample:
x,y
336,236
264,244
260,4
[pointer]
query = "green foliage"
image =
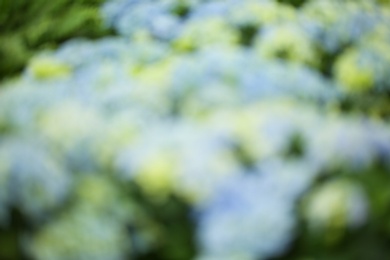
x,y
30,26
296,3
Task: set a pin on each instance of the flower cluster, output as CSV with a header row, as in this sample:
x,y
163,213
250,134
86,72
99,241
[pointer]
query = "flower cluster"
x,y
218,127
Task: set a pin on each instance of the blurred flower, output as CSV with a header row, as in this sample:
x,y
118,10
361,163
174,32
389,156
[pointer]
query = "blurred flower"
x,y
337,205
247,219
33,181
355,76
81,235
222,110
199,33
259,13
47,67
289,43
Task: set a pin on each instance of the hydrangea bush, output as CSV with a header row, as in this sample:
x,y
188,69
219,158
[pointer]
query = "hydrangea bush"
x,y
204,129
